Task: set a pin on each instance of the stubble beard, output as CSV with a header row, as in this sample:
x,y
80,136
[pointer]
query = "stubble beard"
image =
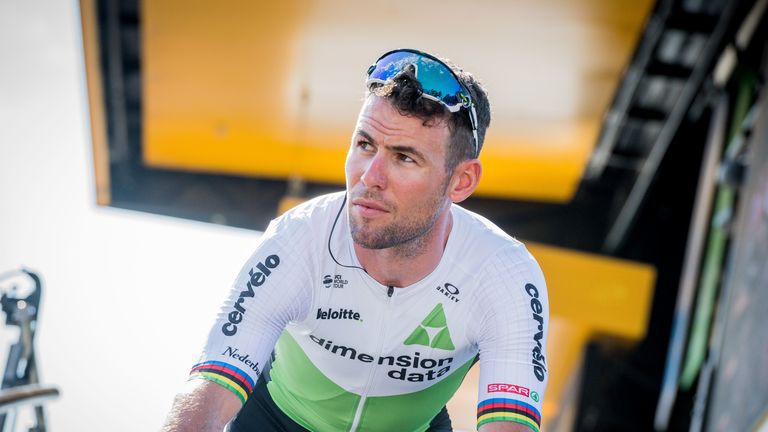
x,y
408,237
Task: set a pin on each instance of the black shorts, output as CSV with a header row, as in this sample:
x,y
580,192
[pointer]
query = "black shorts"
x,y
260,413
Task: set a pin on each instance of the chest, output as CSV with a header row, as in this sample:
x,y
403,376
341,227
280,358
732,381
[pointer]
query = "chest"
x,y
352,314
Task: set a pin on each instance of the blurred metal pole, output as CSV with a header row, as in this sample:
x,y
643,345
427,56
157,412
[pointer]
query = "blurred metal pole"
x,y
693,252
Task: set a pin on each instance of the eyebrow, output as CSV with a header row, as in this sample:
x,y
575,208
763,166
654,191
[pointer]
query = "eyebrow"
x,y
395,148
365,135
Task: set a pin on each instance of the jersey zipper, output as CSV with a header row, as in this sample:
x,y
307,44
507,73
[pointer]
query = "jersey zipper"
x,y
372,374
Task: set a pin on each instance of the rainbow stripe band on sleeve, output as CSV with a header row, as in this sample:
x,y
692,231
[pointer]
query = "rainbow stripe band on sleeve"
x,y
227,375
499,409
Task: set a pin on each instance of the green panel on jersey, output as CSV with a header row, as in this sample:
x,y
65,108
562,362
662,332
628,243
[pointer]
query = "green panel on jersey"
x,y
313,401
434,321
443,340
318,404
411,411
418,337
436,318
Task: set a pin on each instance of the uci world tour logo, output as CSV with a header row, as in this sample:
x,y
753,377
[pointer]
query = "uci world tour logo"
x,y
433,331
337,281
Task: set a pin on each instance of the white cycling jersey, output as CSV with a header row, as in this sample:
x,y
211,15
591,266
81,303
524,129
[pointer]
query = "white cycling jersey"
x,y
353,354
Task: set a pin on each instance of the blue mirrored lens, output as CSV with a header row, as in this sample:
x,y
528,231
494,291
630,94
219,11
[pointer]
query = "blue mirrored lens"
x,y
435,78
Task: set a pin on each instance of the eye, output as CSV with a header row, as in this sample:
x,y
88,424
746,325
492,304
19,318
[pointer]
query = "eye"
x,y
365,145
405,158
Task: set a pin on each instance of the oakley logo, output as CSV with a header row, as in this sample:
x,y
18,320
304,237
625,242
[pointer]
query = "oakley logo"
x,y
449,291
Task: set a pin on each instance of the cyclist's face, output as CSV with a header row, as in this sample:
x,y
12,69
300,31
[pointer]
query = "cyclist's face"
x,y
396,177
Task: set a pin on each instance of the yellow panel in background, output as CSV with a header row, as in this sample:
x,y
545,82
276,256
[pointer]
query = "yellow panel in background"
x,y
272,89
212,91
608,295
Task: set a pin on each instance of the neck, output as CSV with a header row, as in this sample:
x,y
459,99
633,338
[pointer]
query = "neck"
x,y
408,263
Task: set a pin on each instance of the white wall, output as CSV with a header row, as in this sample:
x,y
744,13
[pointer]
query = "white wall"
x,y
128,296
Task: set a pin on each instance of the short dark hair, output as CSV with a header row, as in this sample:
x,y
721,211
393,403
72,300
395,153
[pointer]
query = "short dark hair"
x,y
404,93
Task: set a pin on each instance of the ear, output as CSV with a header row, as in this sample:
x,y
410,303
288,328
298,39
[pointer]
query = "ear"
x,y
464,181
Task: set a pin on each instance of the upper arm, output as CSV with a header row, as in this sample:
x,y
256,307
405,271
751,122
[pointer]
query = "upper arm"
x,y
269,292
511,337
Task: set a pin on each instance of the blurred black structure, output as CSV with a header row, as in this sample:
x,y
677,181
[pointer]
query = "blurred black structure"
x,y
20,384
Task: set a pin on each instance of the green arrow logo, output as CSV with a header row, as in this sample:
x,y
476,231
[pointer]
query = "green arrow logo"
x,y
433,331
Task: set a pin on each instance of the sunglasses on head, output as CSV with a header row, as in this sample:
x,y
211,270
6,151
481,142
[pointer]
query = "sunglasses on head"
x,y
438,82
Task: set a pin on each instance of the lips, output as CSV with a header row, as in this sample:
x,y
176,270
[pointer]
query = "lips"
x,y
368,208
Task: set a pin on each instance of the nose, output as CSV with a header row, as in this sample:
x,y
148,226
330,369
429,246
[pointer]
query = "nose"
x,y
374,175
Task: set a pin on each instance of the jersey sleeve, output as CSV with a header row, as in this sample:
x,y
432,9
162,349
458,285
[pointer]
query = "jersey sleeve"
x,y
270,291
511,332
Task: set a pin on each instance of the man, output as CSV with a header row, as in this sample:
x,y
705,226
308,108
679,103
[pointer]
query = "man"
x,y
377,301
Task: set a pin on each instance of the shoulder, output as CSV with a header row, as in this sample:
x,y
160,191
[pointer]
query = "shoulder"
x,y
501,263
485,241
307,220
